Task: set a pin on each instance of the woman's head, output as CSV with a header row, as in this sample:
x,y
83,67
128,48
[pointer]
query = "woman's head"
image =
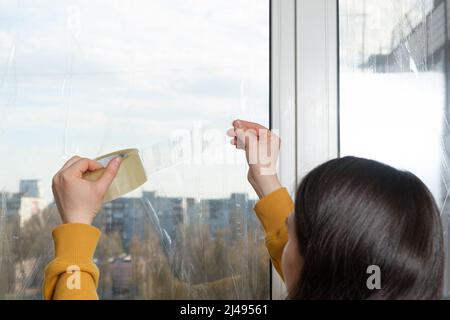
x,y
353,213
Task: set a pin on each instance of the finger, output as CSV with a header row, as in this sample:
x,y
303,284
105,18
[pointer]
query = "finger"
x,y
242,124
234,141
108,176
231,132
70,162
81,166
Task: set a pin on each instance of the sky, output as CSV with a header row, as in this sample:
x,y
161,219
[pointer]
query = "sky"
x,y
91,77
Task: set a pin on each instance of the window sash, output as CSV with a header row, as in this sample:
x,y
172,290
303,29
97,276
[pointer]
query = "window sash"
x,y
304,90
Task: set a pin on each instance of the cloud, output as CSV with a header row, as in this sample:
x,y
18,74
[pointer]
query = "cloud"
x,y
90,76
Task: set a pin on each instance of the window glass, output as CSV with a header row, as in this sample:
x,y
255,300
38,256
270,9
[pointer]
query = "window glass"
x,y
394,88
165,77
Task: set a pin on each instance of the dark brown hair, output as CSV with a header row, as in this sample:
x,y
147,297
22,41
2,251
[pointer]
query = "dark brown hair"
x,y
352,213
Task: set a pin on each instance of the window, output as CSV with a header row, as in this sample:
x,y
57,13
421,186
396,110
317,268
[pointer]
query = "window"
x,y
394,88
91,77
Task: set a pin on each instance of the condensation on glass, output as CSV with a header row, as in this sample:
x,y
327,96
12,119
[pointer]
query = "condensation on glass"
x,y
394,89
166,77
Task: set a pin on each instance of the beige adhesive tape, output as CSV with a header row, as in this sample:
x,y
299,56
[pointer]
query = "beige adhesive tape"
x,y
131,174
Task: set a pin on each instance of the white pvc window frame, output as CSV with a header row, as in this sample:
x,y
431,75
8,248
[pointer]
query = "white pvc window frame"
x,y
304,90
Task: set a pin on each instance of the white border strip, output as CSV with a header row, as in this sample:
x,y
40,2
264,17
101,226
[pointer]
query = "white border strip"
x,y
284,101
317,83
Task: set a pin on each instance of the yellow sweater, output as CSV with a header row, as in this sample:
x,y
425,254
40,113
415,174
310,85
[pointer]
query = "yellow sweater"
x,y
73,275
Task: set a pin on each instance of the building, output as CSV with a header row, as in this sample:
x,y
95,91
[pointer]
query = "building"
x,y
215,213
233,216
26,203
30,188
124,216
122,277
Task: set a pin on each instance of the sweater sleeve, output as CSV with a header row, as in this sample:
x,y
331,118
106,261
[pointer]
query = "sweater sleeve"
x,y
72,274
272,211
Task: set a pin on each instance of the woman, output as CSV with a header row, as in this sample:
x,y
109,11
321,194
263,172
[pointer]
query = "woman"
x,y
350,215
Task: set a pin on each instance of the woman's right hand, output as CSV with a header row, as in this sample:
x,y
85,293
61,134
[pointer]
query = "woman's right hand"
x,y
261,148
77,199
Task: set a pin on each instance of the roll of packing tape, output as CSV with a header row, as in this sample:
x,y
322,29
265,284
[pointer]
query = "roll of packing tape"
x,y
131,174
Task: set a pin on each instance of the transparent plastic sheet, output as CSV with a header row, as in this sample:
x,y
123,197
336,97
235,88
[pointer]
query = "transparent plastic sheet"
x,y
94,90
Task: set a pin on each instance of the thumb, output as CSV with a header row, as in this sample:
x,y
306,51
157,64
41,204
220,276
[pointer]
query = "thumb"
x,y
109,174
